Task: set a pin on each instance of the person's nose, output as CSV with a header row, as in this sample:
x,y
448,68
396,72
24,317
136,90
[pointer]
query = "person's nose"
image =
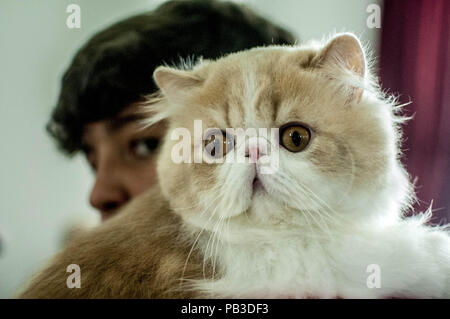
x,y
108,193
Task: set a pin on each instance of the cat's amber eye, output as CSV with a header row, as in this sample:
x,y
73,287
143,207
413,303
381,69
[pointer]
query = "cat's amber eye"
x,y
218,143
295,137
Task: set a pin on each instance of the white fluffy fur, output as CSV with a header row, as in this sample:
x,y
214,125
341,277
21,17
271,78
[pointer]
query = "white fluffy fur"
x,y
302,262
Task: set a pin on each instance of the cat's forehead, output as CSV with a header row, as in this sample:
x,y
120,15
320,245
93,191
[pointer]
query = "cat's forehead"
x,y
259,88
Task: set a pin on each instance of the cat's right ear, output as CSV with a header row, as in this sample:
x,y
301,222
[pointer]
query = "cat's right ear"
x,y
175,84
344,55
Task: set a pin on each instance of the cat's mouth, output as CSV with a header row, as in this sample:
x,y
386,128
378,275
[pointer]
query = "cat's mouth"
x,y
257,185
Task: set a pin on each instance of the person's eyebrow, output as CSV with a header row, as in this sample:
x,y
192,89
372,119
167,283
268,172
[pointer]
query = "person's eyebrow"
x,y
119,122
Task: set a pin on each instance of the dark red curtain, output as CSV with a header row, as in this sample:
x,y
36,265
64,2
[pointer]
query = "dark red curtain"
x,y
415,54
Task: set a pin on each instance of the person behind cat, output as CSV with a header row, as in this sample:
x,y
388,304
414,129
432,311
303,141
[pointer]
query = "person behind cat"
x,y
96,109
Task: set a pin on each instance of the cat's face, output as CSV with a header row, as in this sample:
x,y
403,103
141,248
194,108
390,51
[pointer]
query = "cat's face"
x,y
336,143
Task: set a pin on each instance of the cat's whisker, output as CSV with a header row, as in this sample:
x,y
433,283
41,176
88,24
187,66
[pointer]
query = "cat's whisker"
x,y
198,236
323,224
189,254
213,240
211,236
314,198
285,181
217,241
334,216
326,209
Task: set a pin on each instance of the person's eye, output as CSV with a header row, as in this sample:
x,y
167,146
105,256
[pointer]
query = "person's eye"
x,y
144,147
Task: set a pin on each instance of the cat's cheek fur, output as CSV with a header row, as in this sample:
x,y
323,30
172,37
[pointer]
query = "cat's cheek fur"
x,y
305,188
229,197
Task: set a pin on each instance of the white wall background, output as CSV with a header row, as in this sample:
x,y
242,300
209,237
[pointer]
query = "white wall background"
x,y
41,191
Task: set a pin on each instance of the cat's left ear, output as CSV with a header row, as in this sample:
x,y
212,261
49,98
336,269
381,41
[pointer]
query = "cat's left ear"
x,y
174,83
344,52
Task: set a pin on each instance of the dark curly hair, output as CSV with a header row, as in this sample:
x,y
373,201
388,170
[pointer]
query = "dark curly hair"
x,y
114,68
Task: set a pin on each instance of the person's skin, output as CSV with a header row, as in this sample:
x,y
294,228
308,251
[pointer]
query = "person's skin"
x,y
122,155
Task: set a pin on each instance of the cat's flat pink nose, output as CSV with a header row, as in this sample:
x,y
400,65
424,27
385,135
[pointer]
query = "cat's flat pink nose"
x,y
256,148
254,153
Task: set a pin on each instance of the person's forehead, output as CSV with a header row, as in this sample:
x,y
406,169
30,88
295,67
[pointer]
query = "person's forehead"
x,y
130,119
131,114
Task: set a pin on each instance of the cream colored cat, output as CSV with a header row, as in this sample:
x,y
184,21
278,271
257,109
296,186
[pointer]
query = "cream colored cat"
x,y
328,222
